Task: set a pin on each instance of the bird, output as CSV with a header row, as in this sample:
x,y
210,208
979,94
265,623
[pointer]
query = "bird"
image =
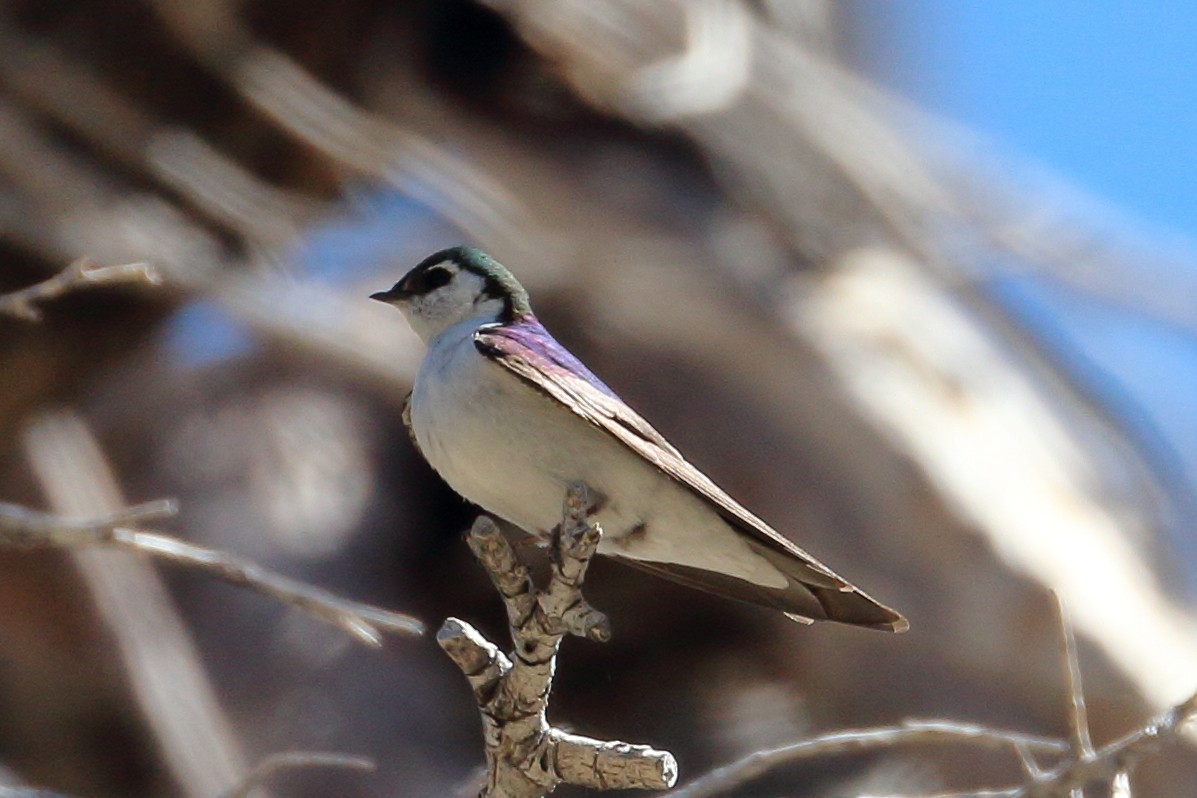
x,y
509,418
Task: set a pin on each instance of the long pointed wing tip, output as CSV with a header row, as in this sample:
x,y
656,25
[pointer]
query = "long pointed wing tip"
x,y
898,625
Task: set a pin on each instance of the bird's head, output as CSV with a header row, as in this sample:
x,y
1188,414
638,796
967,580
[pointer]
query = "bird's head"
x,y
454,285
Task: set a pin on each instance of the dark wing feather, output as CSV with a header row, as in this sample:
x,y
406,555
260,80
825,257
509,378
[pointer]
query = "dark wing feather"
x,y
814,592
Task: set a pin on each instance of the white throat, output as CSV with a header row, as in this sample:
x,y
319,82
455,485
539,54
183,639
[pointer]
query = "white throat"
x,y
463,299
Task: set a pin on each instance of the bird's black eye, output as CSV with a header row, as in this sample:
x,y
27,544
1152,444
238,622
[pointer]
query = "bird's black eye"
x,y
435,277
428,280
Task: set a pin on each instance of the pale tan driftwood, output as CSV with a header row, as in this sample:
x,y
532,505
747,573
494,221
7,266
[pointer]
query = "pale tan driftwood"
x,y
23,527
81,274
526,757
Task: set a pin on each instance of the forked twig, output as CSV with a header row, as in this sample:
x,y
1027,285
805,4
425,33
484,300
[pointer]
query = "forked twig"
x,y
526,757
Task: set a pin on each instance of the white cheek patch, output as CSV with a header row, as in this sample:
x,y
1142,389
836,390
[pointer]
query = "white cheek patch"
x,y
462,298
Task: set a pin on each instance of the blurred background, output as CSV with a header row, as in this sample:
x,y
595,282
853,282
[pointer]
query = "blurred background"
x,y
914,281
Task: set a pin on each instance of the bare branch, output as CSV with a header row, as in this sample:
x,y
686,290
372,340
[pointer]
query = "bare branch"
x,y
911,732
1029,763
1110,764
1078,716
23,527
1118,757
80,274
364,621
292,760
526,757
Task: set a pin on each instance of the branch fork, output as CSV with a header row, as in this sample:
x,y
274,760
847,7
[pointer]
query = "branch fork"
x,y
526,757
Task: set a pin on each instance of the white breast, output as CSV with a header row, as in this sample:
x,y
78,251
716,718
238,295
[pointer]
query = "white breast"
x,y
513,451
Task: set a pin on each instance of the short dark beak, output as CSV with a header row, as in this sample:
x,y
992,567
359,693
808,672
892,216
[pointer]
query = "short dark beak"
x,y
390,297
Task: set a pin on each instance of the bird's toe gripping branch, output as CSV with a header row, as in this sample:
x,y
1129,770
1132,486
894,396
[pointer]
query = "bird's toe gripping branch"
x,y
526,757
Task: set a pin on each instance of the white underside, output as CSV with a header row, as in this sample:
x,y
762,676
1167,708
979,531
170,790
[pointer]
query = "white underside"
x,y
513,451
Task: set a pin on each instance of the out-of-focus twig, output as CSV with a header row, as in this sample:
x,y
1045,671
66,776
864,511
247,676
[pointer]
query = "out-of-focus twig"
x,y
301,105
65,89
83,273
1078,715
21,526
294,760
1112,761
163,668
80,212
912,732
880,321
1081,764
526,757
363,621
1110,764
26,528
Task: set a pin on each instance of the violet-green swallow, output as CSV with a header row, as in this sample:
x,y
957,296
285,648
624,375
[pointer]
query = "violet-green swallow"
x,y
510,419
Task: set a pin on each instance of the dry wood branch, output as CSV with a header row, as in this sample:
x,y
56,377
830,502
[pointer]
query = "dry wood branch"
x,y
526,757
1081,764
292,760
912,732
80,274
1110,764
1078,715
26,528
